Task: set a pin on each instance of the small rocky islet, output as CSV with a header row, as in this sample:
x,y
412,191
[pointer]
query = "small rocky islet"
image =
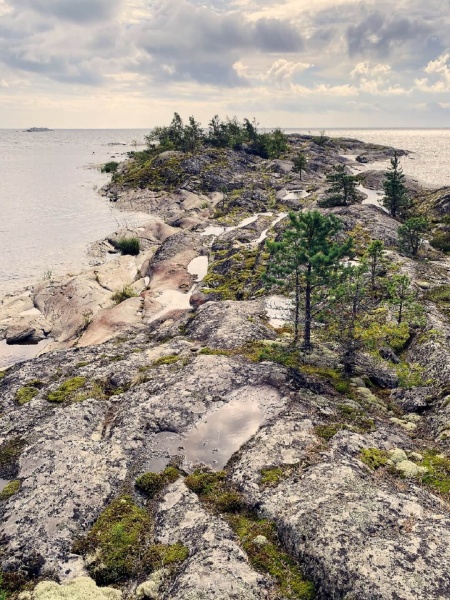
x,y
170,444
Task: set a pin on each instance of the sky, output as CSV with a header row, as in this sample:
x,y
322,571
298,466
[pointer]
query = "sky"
x,y
288,63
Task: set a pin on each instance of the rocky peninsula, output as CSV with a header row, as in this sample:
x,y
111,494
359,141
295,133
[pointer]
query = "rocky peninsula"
x,y
169,444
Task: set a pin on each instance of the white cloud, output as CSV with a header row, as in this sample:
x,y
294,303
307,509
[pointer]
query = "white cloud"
x,y
439,69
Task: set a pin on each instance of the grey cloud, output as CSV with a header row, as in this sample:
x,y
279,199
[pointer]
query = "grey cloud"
x,y
79,11
380,35
199,44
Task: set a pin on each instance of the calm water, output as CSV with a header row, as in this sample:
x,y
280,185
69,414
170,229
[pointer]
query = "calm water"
x,y
50,209
430,161
49,206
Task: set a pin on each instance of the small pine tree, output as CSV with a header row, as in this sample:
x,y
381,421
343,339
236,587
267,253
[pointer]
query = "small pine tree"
x,y
411,234
400,295
348,311
342,190
307,258
374,256
396,195
300,164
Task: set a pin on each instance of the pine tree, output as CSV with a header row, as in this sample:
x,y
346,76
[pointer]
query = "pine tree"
x,y
308,258
396,195
347,311
300,164
411,234
342,190
374,256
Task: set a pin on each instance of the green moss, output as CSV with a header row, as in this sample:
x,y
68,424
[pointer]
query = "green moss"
x,y
439,294
152,483
81,364
66,390
273,476
269,557
410,375
120,545
2,375
356,419
327,432
333,376
170,359
374,458
205,483
214,352
115,545
236,275
9,490
159,555
25,395
438,475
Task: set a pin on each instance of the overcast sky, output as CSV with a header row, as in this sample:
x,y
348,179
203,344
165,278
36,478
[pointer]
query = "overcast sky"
x,y
289,63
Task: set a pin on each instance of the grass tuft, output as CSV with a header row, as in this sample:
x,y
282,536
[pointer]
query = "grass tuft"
x,y
130,246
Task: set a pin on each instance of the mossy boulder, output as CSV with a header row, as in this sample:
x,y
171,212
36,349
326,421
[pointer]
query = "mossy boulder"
x,y
151,484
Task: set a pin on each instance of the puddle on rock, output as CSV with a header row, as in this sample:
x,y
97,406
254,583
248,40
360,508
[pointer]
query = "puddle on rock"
x,y
219,434
263,235
11,355
296,195
373,197
217,231
199,267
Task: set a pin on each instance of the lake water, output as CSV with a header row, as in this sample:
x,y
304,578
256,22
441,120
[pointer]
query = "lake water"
x,y
50,209
430,158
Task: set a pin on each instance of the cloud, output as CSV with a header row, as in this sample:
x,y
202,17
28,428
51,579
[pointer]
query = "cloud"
x,y
78,11
439,69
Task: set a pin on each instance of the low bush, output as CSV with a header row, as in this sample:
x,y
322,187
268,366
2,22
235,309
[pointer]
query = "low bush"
x,y
110,167
130,246
124,294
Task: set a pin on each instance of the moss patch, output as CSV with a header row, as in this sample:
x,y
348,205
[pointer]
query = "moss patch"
x,y
151,484
269,557
236,275
170,359
67,390
374,458
327,432
258,536
114,545
25,395
438,475
119,545
273,476
356,420
9,490
2,375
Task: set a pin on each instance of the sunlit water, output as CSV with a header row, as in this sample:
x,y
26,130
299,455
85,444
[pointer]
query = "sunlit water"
x,y
50,209
430,158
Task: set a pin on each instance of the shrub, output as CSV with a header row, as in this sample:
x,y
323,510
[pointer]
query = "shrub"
x,y
441,241
110,167
124,294
130,246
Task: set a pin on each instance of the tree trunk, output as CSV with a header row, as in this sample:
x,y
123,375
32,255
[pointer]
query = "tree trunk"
x,y
297,306
307,334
